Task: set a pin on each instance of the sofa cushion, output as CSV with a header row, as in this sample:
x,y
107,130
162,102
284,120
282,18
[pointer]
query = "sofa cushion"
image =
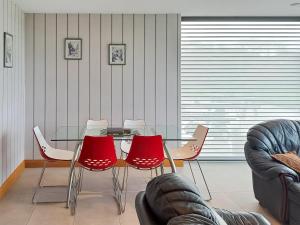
x,y
170,195
290,159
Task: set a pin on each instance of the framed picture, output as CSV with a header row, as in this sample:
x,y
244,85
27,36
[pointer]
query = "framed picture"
x,y
73,48
8,50
117,54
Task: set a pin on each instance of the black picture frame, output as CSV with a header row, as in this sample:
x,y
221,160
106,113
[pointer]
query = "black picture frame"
x,y
7,51
66,49
121,47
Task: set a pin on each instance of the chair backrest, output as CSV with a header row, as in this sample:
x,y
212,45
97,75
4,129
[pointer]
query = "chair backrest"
x,y
200,134
98,153
94,124
146,152
44,147
134,124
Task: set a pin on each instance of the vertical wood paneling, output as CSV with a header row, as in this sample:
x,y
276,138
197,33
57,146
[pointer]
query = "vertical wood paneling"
x,y
150,69
5,101
95,66
62,76
144,88
128,68
1,86
117,75
50,87
14,88
84,70
73,77
139,73
12,92
9,96
29,82
172,75
39,76
161,69
105,68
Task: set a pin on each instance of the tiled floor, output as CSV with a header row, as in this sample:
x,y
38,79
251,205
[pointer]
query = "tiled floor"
x,y
230,184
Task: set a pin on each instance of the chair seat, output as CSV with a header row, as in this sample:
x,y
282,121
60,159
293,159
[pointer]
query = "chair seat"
x,y
182,153
59,154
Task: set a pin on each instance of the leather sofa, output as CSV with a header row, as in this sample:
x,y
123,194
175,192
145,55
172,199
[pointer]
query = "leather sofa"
x,y
170,199
276,186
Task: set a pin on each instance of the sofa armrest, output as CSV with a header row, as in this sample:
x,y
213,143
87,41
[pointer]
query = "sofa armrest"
x,y
143,211
265,167
242,218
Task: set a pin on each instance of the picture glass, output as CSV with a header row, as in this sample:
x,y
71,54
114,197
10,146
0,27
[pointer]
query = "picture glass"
x,y
73,48
8,50
117,54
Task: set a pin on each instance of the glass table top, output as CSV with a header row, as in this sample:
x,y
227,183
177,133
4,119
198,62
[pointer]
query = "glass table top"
x,y
77,133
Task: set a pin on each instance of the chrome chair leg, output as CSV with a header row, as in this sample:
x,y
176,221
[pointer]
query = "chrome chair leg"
x,y
121,194
210,198
40,181
70,174
162,171
193,175
80,179
74,192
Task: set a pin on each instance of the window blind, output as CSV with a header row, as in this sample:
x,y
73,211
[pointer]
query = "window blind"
x,y
235,74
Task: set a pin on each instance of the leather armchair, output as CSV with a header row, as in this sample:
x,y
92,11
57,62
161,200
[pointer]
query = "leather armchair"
x,y
276,186
172,200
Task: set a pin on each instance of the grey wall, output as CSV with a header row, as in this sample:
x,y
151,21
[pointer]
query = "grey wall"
x,y
61,92
12,91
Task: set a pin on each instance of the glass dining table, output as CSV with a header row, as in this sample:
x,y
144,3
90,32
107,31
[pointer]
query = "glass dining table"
x,y
77,133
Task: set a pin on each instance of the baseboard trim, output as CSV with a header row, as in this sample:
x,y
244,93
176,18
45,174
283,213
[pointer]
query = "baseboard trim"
x,y
38,163
12,179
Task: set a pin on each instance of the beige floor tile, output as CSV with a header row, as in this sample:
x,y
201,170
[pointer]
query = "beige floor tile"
x,y
15,209
97,210
229,182
49,214
129,217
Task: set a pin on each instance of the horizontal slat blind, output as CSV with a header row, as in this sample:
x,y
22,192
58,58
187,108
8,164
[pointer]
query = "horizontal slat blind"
x,y
236,74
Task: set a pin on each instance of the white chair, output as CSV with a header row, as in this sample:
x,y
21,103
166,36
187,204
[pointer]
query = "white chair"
x,y
49,154
191,150
130,124
94,127
91,124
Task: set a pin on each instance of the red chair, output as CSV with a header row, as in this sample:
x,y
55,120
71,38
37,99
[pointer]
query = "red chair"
x,y
97,154
146,153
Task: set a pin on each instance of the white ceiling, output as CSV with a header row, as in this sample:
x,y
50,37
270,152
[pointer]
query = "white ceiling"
x,y
185,7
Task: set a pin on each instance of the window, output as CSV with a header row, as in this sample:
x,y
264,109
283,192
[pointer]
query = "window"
x,y
235,74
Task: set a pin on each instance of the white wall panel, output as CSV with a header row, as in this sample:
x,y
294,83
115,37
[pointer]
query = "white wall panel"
x,y
150,69
1,85
91,88
12,92
128,69
95,66
138,69
84,70
50,66
117,74
73,79
161,71
62,76
105,68
39,84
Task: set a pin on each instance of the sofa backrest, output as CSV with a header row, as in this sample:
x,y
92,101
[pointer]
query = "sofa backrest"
x,y
275,136
171,195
